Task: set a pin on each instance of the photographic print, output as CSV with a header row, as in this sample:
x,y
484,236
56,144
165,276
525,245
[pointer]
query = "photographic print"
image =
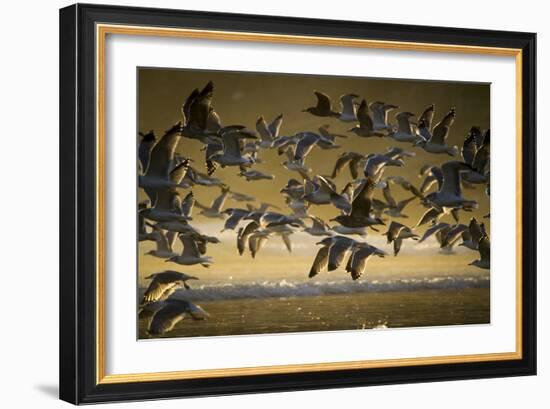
x,y
277,203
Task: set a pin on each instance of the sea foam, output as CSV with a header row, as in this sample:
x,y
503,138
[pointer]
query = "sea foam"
x,y
287,288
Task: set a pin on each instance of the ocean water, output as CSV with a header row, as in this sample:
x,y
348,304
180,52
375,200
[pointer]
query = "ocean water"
x,y
307,306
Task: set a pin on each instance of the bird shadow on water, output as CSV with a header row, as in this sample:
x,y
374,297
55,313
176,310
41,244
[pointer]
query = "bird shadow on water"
x,y
50,390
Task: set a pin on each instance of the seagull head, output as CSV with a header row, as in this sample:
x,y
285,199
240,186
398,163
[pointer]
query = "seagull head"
x,y
325,242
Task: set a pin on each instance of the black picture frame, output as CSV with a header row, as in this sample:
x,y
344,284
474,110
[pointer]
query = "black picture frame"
x,y
78,360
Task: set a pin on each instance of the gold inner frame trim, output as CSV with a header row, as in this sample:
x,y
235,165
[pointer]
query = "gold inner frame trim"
x,y
101,33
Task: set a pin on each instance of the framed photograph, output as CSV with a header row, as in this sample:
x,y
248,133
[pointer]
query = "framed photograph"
x,y
257,203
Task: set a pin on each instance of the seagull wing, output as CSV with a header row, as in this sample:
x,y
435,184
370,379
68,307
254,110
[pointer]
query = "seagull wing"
x,y
337,252
354,166
451,177
213,122
162,154
469,149
323,101
362,202
318,223
263,130
177,174
453,235
255,243
168,316
341,162
218,203
187,204
212,148
190,248
275,125
404,124
397,246
427,183
287,242
161,240
428,216
365,120
388,196
186,107
233,220
196,312
346,102
199,109
305,144
393,231
475,230
358,262
427,116
231,144
320,262
437,173
481,158
144,150
157,288
378,113
485,248
432,230
244,235
441,130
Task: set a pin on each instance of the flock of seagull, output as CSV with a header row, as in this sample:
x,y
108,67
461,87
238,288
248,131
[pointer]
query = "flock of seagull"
x,y
167,217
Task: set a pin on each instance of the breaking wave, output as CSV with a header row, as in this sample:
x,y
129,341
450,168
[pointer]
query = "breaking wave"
x,y
284,288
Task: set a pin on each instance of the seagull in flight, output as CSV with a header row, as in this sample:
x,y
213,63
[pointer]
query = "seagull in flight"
x,y
484,247
253,174
164,284
323,107
349,109
200,120
160,172
350,159
380,111
335,249
268,132
170,312
398,232
360,215
436,141
477,156
375,164
191,253
215,209
365,128
229,152
405,131
450,191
